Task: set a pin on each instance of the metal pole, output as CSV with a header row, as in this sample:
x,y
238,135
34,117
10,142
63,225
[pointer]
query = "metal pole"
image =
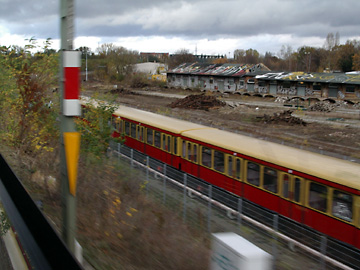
x,y
184,209
67,125
86,70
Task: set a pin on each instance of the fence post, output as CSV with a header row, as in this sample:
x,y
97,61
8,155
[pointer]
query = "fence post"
x,y
119,150
132,157
147,175
239,213
323,250
164,184
274,245
209,207
184,207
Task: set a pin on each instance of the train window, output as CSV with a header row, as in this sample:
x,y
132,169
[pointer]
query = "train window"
x,y
342,205
150,136
163,142
183,149
194,157
286,186
121,128
133,130
238,168
270,180
127,128
297,190
219,161
157,139
114,123
189,152
206,157
253,173
175,145
318,197
230,166
168,143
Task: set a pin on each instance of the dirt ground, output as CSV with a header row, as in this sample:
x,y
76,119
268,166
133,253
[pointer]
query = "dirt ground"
x,y
335,133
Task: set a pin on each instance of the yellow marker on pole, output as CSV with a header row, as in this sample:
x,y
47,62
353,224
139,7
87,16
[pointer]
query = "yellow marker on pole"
x,y
72,149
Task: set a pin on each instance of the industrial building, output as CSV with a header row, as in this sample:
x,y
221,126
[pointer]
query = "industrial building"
x,y
259,80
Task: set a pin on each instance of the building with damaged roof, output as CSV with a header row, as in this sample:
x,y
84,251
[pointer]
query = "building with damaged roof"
x,y
260,81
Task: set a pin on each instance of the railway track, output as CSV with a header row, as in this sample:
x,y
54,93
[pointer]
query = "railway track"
x,y
238,212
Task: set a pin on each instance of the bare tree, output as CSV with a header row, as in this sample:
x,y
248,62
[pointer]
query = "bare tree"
x,y
181,56
117,61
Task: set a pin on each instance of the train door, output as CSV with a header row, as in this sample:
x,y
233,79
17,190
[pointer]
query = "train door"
x,y
191,154
291,193
166,147
234,171
140,137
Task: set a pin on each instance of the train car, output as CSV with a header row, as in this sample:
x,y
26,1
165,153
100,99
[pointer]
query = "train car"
x,y
153,134
317,191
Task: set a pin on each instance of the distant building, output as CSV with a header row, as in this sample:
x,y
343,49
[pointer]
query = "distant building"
x,y
259,80
213,77
150,68
149,56
155,71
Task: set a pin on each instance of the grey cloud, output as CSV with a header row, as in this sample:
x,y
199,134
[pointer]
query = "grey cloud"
x,y
193,18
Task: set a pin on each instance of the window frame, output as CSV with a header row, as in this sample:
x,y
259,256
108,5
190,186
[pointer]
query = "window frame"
x,y
233,170
315,198
258,174
147,136
292,187
264,175
351,208
350,89
140,133
216,159
202,156
157,139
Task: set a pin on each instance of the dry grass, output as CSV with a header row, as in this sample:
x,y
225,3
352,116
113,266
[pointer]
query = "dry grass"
x,y
118,226
121,228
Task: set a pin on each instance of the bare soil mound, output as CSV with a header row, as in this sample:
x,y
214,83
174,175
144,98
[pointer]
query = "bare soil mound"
x,y
282,117
199,102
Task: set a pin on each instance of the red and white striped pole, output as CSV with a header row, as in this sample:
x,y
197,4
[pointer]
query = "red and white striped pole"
x,y
71,65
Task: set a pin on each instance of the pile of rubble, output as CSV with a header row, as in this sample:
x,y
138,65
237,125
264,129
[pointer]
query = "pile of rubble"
x,y
283,117
200,102
323,106
120,91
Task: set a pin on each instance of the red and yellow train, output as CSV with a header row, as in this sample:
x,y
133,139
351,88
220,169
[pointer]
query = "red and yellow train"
x,y
315,190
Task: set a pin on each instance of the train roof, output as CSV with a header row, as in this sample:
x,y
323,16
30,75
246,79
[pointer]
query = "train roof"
x,y
148,118
160,121
336,170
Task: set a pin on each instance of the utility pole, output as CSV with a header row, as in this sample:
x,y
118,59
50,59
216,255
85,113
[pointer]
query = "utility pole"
x,y
70,107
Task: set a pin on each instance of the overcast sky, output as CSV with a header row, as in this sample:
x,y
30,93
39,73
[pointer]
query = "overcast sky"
x,y
208,26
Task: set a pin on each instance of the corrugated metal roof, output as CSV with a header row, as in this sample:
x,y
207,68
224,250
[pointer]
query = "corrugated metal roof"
x,y
343,78
215,69
259,71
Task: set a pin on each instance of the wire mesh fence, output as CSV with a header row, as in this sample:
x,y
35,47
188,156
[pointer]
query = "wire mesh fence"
x,y
292,245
